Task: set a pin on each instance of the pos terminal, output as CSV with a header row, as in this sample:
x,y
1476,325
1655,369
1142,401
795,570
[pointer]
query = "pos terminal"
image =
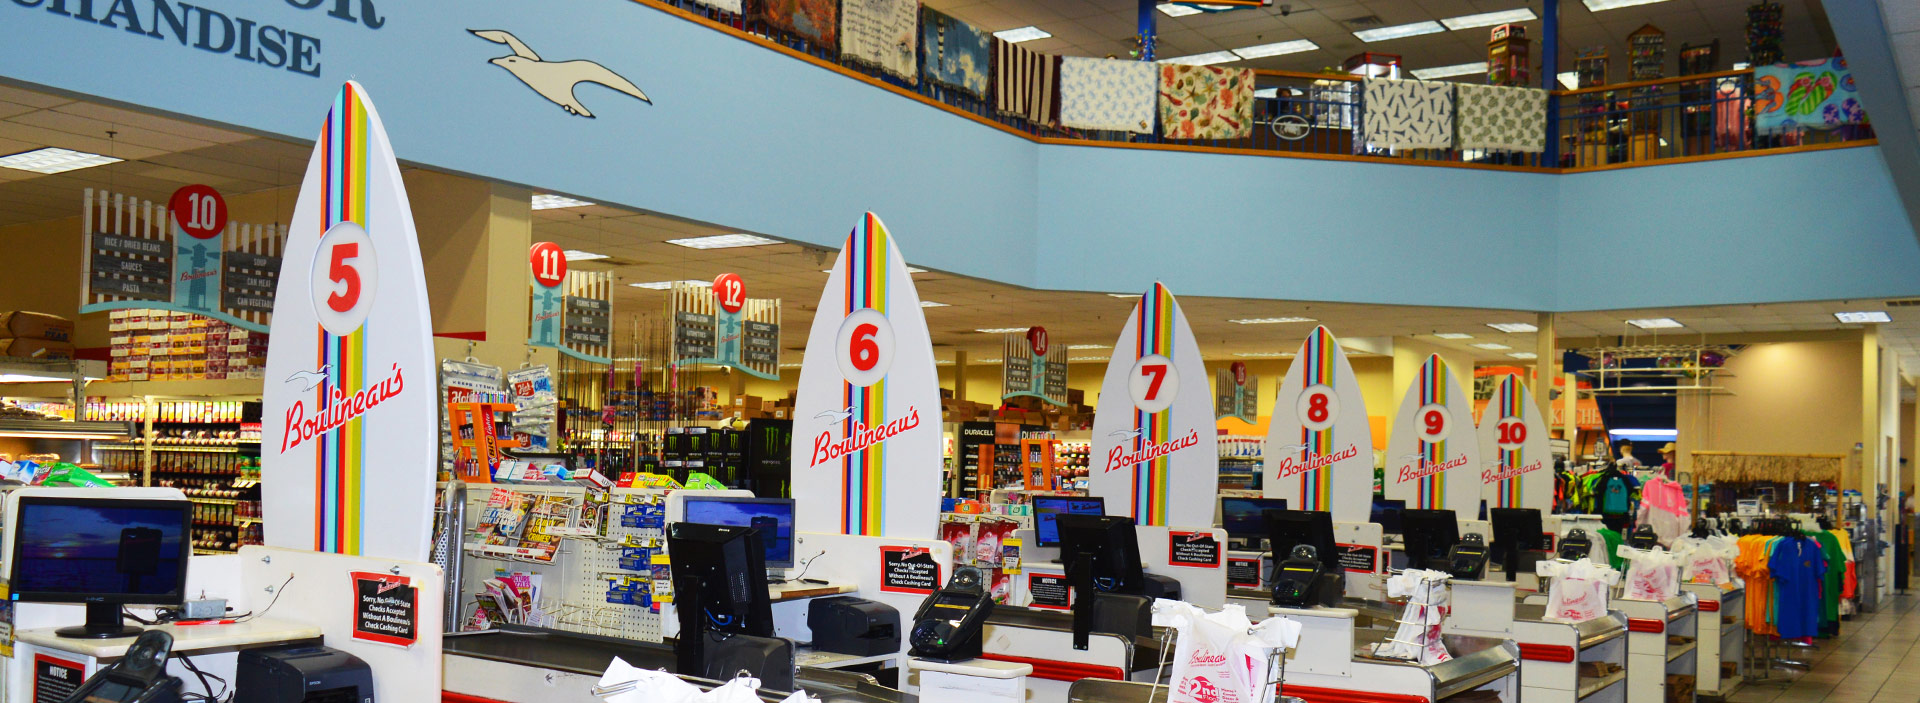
x,y
139,677
949,623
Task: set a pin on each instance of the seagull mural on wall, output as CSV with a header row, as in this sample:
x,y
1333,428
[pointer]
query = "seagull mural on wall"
x,y
555,80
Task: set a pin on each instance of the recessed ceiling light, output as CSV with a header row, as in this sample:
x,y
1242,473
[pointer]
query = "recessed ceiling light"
x,y
1088,358
1263,355
794,365
1861,318
549,201
1001,330
1524,355
1123,295
54,160
1513,327
1267,93
1206,59
1020,34
1493,346
1271,320
1741,65
577,255
994,360
1172,10
663,285
1399,31
1599,5
1088,346
723,241
1488,19
933,304
1569,79
1453,335
1275,49
1459,69
910,270
1656,323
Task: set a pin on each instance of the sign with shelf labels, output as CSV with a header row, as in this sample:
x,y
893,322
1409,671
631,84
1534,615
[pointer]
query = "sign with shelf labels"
x,y
182,256
1236,393
1032,366
721,326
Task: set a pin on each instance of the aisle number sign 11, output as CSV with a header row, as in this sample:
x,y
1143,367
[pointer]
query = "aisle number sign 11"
x,y
569,310
548,264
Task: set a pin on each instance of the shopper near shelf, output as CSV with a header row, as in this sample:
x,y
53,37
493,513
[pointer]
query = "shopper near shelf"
x,y
1667,465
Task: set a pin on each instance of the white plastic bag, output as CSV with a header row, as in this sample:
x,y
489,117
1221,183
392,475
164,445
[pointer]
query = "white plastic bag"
x,y
1652,574
1222,657
1417,638
1579,589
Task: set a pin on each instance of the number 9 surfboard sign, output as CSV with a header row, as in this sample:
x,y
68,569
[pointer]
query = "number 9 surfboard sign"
x,y
1156,457
866,423
1433,453
350,419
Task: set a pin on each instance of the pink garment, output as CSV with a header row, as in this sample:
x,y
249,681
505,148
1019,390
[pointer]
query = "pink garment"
x,y
1730,116
1664,494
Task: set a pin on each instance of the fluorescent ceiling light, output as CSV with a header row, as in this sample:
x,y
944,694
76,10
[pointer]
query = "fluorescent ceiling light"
x,y
1271,320
1172,10
1524,355
549,201
1275,49
578,255
1860,318
796,365
1020,34
1459,69
1644,433
1488,19
663,285
1002,330
1087,358
1492,346
933,304
1656,323
33,378
1513,326
1568,79
1453,335
1206,59
994,360
723,241
1267,93
54,160
1087,346
1741,65
1599,5
1399,31
1263,355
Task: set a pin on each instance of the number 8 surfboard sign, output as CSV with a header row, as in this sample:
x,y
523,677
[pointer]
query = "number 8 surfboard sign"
x,y
1319,448
866,424
1156,459
350,417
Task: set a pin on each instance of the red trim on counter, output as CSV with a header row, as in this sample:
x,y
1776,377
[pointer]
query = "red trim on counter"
x,y
1056,670
451,697
1709,606
1646,625
1316,694
1546,652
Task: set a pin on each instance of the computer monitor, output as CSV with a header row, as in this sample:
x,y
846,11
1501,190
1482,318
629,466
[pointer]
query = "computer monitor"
x,y
1429,535
1515,530
104,552
773,517
1243,518
1287,529
1386,514
1046,507
1110,545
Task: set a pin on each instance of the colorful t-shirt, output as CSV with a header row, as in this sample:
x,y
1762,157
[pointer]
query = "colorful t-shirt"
x,y
1799,569
1833,581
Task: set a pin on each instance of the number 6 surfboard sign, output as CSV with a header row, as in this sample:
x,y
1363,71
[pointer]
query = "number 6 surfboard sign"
x,y
350,419
1433,454
866,423
1156,458
1319,448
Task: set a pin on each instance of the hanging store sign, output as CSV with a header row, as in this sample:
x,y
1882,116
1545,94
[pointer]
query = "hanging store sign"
x,y
1433,457
866,424
183,256
1319,448
1236,394
1156,459
1513,443
1031,365
350,409
721,326
575,313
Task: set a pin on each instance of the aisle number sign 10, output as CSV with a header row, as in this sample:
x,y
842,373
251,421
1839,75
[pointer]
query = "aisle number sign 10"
x,y
198,210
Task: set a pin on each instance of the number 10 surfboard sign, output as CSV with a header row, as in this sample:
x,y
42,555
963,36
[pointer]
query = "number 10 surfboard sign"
x,y
1513,442
350,417
1156,455
866,423
1319,448
1433,454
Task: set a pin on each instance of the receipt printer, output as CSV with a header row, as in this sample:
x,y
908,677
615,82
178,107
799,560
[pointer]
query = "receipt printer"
x,y
302,674
856,626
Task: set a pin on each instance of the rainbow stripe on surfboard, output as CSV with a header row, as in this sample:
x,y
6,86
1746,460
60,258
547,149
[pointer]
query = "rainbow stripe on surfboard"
x,y
1431,490
863,473
1316,486
1153,334
338,460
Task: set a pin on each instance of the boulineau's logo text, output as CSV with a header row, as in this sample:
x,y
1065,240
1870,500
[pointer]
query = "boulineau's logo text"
x,y
1508,472
1428,468
338,410
1117,458
1206,657
825,449
1290,466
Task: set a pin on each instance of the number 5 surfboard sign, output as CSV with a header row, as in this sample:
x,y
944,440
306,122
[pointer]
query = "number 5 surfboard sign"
x,y
1319,448
350,420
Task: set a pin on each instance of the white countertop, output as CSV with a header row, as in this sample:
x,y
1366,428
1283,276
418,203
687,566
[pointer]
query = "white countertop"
x,y
796,590
186,638
984,668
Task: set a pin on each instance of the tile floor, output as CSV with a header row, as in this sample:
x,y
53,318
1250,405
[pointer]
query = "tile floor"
x,y
1862,665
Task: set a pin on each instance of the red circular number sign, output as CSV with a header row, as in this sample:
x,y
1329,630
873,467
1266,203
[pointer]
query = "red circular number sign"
x,y
1240,372
730,291
1037,339
549,264
199,211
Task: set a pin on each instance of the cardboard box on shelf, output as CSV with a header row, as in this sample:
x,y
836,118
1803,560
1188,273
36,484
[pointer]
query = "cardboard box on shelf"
x,y
36,325
35,348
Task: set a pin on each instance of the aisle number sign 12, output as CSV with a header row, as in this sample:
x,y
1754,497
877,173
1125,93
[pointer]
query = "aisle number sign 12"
x,y
866,449
349,402
1156,459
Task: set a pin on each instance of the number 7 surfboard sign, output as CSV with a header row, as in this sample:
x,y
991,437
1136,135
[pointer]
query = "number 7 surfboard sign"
x,y
1156,459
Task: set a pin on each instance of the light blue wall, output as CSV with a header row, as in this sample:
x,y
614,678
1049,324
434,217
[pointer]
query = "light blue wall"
x,y
752,139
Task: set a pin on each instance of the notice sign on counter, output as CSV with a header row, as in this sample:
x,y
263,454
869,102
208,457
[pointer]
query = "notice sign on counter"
x,y
1193,549
55,679
1049,591
908,570
1359,558
384,608
1243,573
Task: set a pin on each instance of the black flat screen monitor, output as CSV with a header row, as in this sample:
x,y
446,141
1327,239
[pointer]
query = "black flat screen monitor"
x,y
1287,529
1514,530
1113,547
104,552
720,578
1046,507
1244,518
1386,514
773,517
1429,535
